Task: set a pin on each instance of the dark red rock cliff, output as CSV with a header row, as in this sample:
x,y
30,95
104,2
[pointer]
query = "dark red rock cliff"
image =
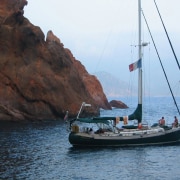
x,y
40,79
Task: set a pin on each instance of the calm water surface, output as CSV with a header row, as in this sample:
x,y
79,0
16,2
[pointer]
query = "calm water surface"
x,y
42,151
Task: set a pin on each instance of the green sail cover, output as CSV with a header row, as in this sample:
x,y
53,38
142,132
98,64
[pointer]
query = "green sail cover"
x,y
137,115
93,120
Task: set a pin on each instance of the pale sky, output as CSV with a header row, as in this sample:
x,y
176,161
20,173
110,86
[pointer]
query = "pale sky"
x,y
102,34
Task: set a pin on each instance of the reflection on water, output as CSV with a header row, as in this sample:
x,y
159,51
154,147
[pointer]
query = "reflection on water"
x,y
42,151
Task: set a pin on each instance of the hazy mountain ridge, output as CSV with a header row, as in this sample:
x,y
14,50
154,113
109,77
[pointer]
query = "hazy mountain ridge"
x,y
114,87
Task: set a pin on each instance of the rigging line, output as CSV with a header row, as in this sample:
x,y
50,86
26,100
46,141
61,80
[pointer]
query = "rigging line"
x,y
103,50
176,87
160,61
167,35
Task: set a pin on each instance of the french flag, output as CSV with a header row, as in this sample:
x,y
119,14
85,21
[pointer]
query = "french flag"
x,y
135,65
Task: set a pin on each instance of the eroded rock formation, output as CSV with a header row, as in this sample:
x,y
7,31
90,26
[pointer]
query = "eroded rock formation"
x,y
40,79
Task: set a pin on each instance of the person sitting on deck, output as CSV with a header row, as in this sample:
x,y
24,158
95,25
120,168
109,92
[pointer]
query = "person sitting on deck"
x,y
91,131
175,124
162,121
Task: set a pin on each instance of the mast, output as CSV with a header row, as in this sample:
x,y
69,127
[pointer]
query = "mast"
x,y
139,55
137,114
139,108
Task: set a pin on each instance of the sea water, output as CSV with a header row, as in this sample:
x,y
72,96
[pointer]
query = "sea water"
x,y
41,151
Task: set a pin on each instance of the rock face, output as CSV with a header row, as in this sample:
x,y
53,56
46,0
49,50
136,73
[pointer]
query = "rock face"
x,y
40,79
118,104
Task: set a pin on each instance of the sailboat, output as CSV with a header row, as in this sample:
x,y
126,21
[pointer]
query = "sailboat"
x,y
106,133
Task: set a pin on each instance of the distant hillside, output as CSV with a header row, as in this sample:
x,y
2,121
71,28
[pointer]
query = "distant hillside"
x,y
113,86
